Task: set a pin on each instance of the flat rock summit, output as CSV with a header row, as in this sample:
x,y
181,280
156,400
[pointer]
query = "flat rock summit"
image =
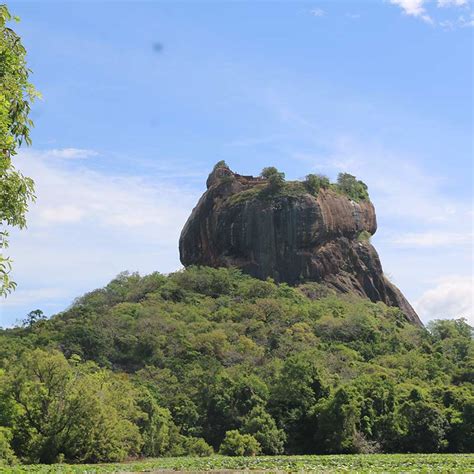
x,y
291,231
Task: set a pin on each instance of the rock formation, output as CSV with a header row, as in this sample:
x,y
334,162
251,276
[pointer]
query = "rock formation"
x,y
288,234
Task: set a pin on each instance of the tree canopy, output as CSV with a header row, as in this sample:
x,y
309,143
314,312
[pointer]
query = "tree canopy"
x,y
210,359
16,95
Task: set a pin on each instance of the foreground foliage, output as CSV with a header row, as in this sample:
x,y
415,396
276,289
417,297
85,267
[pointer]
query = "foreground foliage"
x,y
210,359
424,463
16,95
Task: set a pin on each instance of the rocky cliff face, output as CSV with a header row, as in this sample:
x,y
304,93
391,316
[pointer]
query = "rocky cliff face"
x,y
289,235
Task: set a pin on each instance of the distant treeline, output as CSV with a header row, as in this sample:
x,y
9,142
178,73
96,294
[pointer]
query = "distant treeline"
x,y
210,360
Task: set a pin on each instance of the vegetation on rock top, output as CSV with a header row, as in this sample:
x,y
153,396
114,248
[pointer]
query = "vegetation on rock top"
x,y
275,186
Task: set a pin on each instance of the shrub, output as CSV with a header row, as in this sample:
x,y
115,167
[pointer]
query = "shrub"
x,y
275,178
197,447
85,413
353,188
364,236
314,182
424,425
207,281
6,453
155,425
263,427
221,164
237,444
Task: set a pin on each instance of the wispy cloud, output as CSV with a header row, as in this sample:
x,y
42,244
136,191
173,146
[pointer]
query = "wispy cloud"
x,y
73,195
318,12
403,189
70,153
87,226
432,239
413,8
461,15
451,3
32,296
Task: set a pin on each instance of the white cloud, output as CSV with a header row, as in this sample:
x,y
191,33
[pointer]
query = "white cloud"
x,y
464,22
70,153
452,297
318,12
411,7
418,9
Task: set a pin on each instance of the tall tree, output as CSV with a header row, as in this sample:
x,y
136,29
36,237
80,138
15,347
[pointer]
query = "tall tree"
x,y
16,95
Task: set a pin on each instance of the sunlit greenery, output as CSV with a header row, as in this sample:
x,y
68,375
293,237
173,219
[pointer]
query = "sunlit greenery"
x,y
274,187
173,365
16,94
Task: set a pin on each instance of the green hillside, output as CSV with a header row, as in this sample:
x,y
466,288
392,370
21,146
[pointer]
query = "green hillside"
x,y
211,358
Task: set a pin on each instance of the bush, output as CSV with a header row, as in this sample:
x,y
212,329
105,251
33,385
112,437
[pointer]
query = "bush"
x,y
197,447
155,425
275,178
208,281
314,182
237,444
263,427
221,164
364,236
424,425
85,413
353,188
6,453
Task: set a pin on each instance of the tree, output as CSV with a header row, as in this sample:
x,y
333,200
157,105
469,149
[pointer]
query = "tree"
x,y
65,408
237,444
229,400
424,427
33,317
290,367
263,428
7,456
314,182
353,188
197,447
16,94
336,422
297,389
155,426
276,179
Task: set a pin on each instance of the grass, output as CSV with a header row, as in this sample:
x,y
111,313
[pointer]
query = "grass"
x,y
362,463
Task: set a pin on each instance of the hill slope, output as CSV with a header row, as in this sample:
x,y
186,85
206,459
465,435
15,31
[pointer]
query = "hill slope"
x,y
205,351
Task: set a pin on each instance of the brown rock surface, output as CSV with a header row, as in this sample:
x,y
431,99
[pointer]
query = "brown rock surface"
x,y
291,236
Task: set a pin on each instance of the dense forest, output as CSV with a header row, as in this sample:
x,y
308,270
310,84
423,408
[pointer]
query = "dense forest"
x,y
211,360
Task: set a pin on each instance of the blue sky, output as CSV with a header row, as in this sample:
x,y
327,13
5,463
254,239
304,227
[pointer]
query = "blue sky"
x,y
141,99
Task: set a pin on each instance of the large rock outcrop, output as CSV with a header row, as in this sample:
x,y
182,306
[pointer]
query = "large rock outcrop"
x,y
290,235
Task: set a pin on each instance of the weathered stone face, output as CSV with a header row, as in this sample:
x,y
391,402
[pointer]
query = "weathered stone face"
x,y
291,237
